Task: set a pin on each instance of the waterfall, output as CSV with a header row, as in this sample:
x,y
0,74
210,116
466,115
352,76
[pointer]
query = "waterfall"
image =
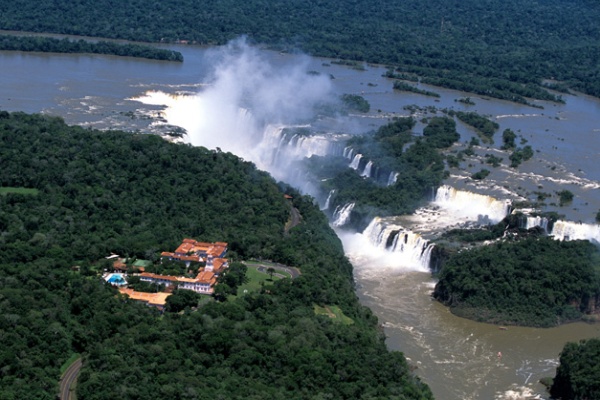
x,y
412,249
568,230
356,161
342,214
347,152
468,205
367,171
392,178
542,222
326,206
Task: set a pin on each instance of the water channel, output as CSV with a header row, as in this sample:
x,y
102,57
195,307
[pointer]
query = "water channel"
x,y
458,358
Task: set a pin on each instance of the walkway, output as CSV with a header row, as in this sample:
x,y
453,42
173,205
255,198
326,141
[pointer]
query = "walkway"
x,y
68,378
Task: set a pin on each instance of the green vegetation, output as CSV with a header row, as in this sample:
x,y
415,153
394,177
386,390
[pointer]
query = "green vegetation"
x,y
180,299
74,357
485,127
536,281
565,196
493,160
520,155
392,149
25,191
405,87
508,139
51,45
466,100
480,175
507,53
578,375
354,102
441,132
103,192
333,312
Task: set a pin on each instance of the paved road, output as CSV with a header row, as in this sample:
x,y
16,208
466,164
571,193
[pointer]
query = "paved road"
x,y
262,267
68,378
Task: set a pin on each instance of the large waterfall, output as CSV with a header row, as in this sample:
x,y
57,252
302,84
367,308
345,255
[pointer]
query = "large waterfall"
x,y
409,248
568,230
472,206
565,230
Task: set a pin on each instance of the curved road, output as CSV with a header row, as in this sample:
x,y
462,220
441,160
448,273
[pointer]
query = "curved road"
x,y
68,378
262,267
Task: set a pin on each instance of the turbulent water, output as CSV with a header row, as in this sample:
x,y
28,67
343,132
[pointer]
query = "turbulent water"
x,y
243,102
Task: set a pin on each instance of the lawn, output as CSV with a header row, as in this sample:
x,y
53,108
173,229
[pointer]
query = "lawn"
x,y
335,313
254,280
6,190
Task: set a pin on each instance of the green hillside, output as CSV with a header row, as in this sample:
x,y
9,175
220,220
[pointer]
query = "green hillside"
x,y
103,192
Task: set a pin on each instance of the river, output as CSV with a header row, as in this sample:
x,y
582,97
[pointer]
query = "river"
x,y
458,358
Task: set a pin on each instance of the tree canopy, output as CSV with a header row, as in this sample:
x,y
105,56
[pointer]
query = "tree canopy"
x,y
512,50
535,281
90,193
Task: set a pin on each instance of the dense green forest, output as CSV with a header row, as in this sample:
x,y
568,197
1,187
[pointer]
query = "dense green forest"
x,y
74,195
534,281
51,45
578,375
510,49
393,149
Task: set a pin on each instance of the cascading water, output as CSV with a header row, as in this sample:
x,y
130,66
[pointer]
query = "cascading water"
x,y
342,214
468,205
568,230
328,201
356,161
411,248
392,178
348,152
537,221
367,171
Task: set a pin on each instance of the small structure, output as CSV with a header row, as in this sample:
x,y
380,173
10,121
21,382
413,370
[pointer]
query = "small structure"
x,y
157,300
116,279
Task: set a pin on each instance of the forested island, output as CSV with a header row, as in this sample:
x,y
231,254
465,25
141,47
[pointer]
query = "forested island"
x,y
532,281
52,45
71,196
512,50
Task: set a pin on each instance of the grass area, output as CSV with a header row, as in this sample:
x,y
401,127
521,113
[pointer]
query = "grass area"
x,y
254,280
6,190
276,267
335,313
69,361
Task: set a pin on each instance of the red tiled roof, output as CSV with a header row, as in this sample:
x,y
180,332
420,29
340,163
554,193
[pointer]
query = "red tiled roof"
x,y
157,299
158,277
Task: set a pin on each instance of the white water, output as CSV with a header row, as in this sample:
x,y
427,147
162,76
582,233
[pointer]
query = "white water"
x,y
367,171
328,201
392,178
356,161
471,206
568,230
413,251
342,214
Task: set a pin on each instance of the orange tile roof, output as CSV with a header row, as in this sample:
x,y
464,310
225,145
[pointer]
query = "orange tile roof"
x,y
206,277
157,276
156,299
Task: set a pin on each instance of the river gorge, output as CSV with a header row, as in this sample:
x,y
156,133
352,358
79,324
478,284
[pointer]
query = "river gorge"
x,y
239,99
